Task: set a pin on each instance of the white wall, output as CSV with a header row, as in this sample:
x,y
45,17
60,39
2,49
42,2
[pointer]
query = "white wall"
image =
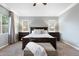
x,y
4,10
38,22
69,26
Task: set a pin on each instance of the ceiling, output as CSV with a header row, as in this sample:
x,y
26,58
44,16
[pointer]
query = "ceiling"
x,y
27,9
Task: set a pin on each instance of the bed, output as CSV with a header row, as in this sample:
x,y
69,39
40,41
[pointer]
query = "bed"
x,y
41,37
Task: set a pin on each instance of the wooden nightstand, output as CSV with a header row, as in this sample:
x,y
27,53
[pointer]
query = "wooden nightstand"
x,y
22,34
55,34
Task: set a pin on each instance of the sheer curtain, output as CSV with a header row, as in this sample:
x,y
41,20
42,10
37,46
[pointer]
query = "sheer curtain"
x,y
12,36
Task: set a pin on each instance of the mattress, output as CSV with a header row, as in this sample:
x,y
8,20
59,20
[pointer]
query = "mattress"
x,y
38,36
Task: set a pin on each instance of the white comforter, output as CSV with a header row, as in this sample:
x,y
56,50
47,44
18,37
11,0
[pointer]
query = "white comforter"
x,y
38,36
36,49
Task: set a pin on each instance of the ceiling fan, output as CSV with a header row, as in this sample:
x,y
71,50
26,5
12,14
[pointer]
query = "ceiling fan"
x,y
42,3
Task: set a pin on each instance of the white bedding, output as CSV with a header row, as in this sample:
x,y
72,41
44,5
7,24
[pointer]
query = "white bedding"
x,y
36,49
39,36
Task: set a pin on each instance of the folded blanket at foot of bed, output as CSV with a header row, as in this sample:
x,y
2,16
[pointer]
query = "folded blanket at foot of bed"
x,y
36,49
39,49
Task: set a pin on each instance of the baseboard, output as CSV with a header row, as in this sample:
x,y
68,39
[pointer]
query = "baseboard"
x,y
3,46
71,44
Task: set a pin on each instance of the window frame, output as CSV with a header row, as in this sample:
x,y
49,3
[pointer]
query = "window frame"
x,y
1,24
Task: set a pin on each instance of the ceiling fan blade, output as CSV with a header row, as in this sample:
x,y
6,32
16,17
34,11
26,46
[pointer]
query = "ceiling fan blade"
x,y
34,4
45,3
42,3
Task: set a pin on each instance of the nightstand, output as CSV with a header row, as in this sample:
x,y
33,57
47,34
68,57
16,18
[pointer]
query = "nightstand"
x,y
55,34
22,34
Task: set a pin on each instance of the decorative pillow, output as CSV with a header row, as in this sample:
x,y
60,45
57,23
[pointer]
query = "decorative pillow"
x,y
38,31
45,32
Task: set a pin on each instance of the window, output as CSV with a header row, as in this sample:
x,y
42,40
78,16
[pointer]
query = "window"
x,y
4,20
0,24
24,25
52,25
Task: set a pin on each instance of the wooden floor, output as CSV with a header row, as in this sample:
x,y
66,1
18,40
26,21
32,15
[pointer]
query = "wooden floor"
x,y
15,50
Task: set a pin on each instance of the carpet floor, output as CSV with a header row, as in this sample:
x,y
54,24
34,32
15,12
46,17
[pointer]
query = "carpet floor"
x,y
16,50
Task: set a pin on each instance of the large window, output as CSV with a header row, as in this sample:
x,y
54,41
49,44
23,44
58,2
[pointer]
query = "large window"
x,y
4,21
52,25
24,25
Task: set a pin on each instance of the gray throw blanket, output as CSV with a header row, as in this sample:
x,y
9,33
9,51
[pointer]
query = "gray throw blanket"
x,y
36,49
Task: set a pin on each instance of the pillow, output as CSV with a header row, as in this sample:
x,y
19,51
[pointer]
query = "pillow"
x,y
38,31
33,32
44,32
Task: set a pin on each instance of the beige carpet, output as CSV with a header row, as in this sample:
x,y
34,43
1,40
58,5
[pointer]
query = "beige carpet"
x,y
15,50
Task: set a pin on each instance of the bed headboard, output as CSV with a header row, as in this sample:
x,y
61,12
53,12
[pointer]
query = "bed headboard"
x,y
32,28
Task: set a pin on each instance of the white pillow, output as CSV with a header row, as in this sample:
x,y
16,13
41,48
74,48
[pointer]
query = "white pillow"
x,y
34,31
44,32
37,31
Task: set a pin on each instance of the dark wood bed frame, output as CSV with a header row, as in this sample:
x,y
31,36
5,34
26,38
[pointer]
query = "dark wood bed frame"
x,y
50,40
